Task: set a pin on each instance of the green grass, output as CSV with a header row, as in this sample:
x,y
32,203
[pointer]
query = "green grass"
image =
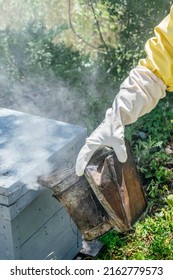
x,y
151,239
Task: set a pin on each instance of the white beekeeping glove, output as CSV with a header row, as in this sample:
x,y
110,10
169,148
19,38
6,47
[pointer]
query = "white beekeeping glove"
x,y
138,95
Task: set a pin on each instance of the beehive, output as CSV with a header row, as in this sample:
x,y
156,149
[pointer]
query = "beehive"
x,y
33,225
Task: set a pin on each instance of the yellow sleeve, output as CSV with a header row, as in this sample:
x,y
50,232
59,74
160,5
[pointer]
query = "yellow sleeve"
x,y
159,50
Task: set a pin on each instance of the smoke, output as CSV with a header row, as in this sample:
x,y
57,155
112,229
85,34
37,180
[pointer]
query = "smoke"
x,y
25,155
26,142
28,149
28,62
41,93
52,99
26,152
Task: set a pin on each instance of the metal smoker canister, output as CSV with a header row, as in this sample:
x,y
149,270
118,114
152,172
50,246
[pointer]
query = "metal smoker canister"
x,y
108,196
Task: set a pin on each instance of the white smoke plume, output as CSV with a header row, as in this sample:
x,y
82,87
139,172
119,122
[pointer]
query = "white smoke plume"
x,y
42,94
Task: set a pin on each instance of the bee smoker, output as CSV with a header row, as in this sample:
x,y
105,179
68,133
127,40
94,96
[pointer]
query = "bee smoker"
x,y
109,195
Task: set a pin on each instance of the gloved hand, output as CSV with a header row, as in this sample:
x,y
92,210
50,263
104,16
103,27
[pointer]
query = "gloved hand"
x,y
138,95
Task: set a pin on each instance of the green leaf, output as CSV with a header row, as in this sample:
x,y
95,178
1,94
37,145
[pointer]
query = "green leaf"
x,y
169,200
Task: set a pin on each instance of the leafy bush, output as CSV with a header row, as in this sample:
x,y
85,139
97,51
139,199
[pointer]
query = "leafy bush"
x,y
34,68
135,26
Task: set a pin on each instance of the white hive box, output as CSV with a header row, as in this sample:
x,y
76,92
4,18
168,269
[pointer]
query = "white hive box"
x,y
33,224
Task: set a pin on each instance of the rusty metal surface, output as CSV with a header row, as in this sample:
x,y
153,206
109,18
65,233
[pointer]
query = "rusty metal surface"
x,y
109,196
117,186
78,198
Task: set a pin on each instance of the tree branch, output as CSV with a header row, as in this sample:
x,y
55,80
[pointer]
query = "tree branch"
x,y
73,29
98,25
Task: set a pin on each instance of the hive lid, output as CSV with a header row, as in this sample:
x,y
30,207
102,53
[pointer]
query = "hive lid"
x,y
27,143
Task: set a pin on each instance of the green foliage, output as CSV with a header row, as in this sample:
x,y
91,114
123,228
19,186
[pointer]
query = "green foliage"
x,y
31,50
151,239
169,200
135,26
149,152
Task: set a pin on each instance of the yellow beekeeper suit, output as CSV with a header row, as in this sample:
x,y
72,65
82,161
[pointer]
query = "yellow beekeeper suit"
x,y
139,94
159,50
